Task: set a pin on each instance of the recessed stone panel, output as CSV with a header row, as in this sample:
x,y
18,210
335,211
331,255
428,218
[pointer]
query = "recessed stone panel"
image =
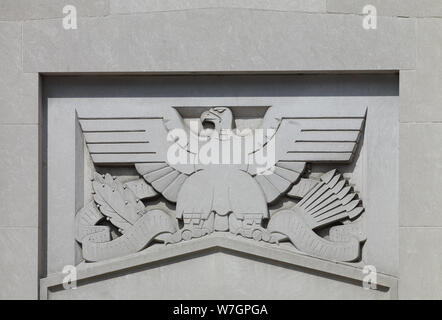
x,y
113,192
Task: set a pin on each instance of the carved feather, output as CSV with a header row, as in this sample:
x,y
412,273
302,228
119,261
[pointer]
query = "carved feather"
x,y
117,202
163,178
331,200
306,138
301,188
284,175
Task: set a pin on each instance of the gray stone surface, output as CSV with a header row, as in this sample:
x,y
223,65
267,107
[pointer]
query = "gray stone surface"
x,y
422,87
49,9
19,263
420,172
18,91
420,263
135,6
379,178
19,175
400,8
65,176
407,85
19,169
137,36
225,277
218,40
228,199
374,167
228,268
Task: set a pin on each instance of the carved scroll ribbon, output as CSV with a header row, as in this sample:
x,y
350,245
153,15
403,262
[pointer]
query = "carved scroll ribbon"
x,y
95,239
292,224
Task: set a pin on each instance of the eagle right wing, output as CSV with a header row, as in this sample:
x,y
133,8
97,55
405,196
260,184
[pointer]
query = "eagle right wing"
x,y
302,135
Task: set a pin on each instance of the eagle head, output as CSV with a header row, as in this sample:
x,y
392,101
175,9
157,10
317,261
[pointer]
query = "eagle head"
x,y
217,118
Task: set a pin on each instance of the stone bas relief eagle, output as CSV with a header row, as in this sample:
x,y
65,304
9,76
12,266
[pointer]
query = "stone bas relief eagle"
x,y
224,197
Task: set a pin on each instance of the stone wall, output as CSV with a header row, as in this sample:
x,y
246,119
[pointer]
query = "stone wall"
x,y
136,36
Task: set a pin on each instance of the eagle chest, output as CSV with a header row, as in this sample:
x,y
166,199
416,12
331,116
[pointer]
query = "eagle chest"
x,y
221,192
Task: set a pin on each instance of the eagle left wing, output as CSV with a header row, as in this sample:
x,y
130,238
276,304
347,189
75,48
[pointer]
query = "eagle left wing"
x,y
124,140
141,141
308,135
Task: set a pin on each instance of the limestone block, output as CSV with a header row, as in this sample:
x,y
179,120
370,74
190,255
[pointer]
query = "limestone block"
x,y
422,88
402,8
49,9
407,89
19,175
218,40
19,263
18,91
420,263
420,171
135,6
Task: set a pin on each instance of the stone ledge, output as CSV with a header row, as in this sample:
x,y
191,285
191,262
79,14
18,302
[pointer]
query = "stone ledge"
x,y
224,242
128,7
19,10
391,8
219,40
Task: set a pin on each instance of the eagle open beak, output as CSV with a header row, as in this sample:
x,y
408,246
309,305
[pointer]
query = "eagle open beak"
x,y
208,120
